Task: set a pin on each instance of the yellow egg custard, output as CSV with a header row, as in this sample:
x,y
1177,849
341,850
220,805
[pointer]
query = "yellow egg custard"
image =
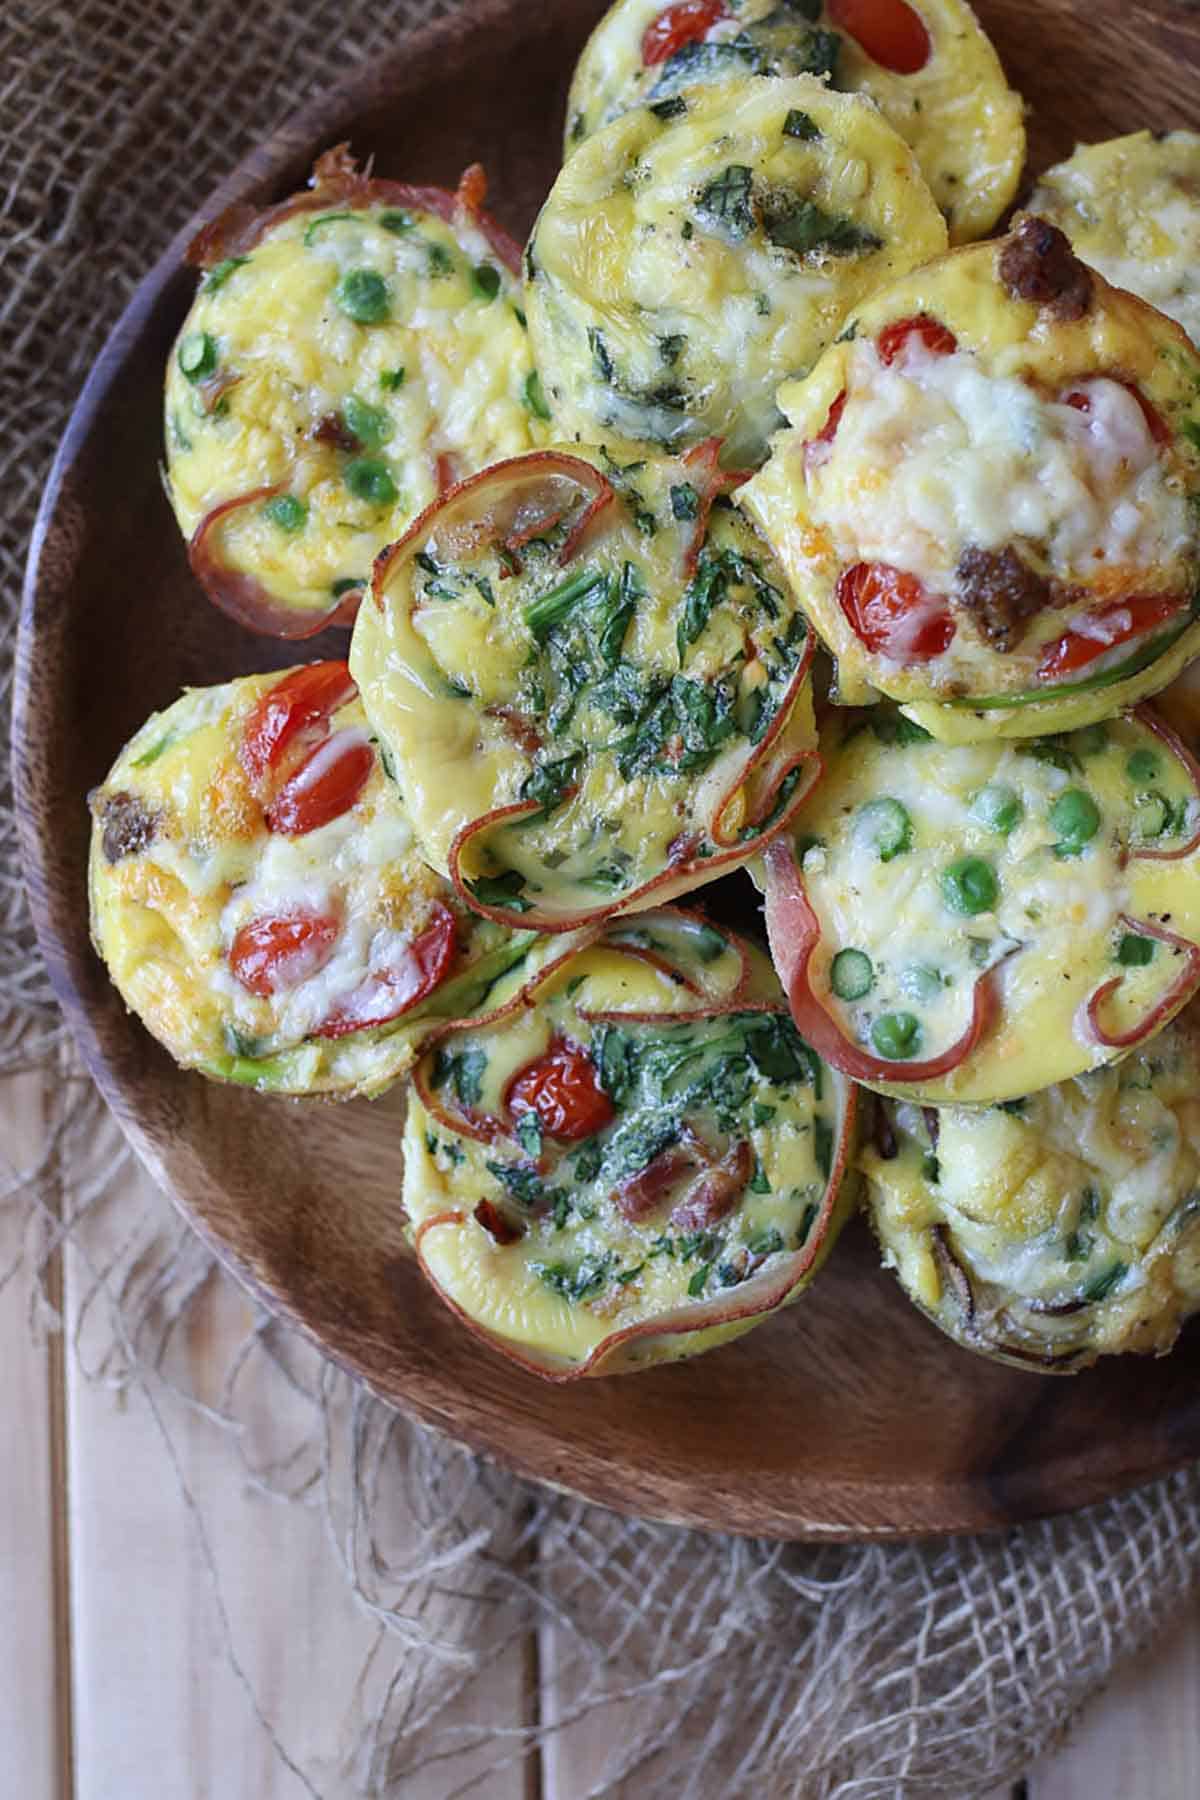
x,y
1057,1228
259,899
635,1161
350,354
987,501
594,681
927,65
1131,208
695,253
973,923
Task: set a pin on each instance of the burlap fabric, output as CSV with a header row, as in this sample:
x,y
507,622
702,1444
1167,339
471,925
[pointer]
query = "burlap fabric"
x,y
736,1667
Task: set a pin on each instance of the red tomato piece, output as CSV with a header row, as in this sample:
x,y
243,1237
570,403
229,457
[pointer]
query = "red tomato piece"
x,y
326,784
408,975
833,419
1116,622
302,700
1156,425
891,32
562,1089
937,338
678,25
893,614
275,953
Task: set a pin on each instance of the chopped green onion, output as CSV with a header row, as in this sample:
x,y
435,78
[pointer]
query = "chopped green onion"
x,y
851,974
197,355
219,275
397,221
315,225
1151,815
886,826
391,379
533,395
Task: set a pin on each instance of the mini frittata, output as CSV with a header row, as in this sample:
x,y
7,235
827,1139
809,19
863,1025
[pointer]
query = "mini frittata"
x,y
350,354
927,65
636,1162
987,502
258,897
1131,208
973,923
1055,1229
697,252
593,679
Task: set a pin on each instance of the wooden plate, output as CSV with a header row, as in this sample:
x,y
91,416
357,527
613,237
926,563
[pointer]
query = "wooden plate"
x,y
848,1416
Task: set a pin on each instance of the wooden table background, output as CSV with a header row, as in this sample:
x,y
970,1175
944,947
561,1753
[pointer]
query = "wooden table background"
x,y
114,1682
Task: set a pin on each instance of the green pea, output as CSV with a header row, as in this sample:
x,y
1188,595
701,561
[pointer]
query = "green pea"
x,y
391,379
920,982
998,807
370,424
886,826
370,479
438,261
286,511
969,886
1076,818
1135,952
1142,765
485,280
896,1035
197,355
363,296
851,974
1089,740
1151,816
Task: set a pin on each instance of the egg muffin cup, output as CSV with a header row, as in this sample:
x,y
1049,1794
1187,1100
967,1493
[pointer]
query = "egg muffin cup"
x,y
927,65
695,253
351,353
1131,208
594,682
1058,1228
259,899
636,1160
987,500
974,923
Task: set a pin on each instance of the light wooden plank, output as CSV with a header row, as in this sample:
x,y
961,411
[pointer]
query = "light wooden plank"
x,y
1141,1737
34,1708
160,1715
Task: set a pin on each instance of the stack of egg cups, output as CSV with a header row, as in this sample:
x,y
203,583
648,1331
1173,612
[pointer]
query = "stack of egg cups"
x,y
739,523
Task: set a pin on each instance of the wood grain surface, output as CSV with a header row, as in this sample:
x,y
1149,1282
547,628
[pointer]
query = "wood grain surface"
x,y
847,1416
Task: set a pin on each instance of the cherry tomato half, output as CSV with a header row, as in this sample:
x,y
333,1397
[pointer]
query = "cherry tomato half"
x,y
411,973
305,698
937,338
272,954
893,614
678,25
1114,623
326,784
561,1088
890,31
1156,425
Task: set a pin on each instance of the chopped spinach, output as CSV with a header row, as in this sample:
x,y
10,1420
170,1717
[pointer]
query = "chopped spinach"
x,y
725,202
464,1072
503,891
798,224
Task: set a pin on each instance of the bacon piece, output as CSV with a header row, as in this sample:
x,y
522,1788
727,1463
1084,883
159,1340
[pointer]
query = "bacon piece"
x,y
243,595
498,1226
1001,593
1184,985
717,1192
641,1194
334,431
952,1272
1037,263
